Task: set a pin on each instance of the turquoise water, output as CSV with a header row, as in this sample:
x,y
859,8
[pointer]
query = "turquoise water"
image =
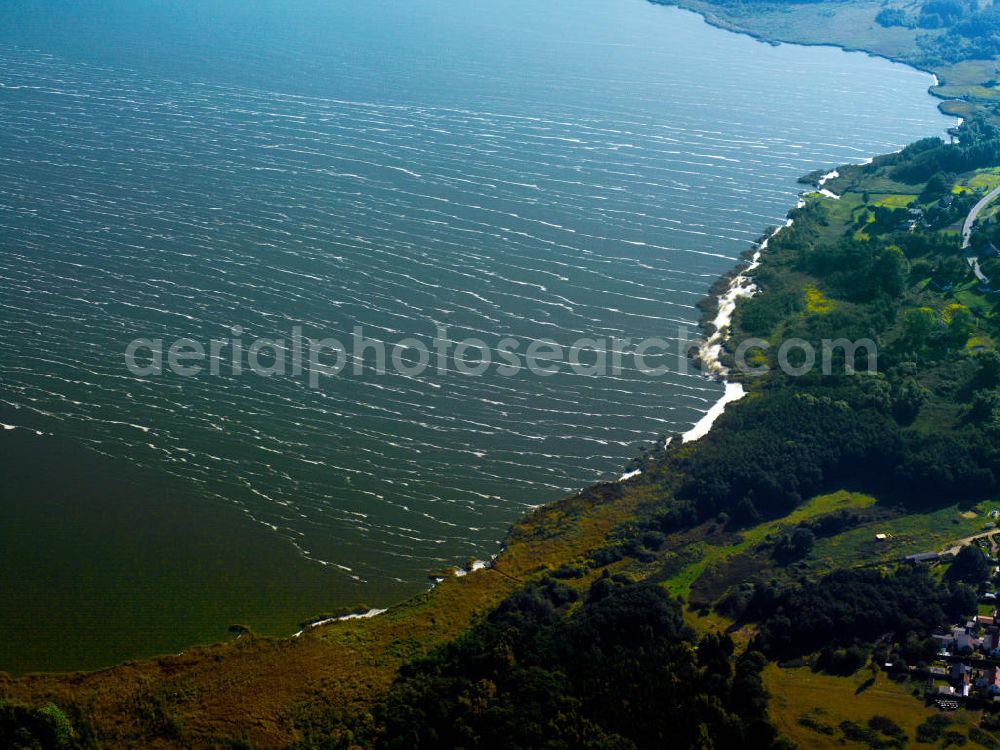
x,y
504,169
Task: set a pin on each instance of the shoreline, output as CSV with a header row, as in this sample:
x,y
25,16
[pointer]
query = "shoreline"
x,y
721,23
374,611
741,285
728,290
719,305
732,286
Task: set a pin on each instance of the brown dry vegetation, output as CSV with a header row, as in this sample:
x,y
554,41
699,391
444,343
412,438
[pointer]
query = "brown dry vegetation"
x,y
265,690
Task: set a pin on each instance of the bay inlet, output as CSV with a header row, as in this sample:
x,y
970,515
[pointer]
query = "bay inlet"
x,y
505,170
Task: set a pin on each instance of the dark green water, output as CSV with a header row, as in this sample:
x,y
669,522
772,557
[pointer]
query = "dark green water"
x,y
556,170
103,562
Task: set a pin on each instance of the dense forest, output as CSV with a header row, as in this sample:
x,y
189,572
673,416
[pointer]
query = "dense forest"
x,y
919,162
790,442
618,669
838,611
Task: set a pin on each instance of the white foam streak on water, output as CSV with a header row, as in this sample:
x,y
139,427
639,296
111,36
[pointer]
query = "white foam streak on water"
x,y
133,205
360,616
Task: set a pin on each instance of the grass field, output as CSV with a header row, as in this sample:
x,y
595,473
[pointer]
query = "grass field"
x,y
968,79
891,200
905,535
980,343
710,554
850,25
827,701
984,179
843,212
980,305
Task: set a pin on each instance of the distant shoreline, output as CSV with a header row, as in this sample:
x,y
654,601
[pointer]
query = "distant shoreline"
x,y
715,319
719,22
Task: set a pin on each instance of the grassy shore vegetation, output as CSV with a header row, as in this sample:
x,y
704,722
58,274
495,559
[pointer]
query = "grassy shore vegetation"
x,y
958,40
747,588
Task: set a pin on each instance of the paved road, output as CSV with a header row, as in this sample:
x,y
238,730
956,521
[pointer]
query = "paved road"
x,y
974,214
967,231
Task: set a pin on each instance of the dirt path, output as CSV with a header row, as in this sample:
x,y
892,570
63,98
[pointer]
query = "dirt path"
x,y
966,541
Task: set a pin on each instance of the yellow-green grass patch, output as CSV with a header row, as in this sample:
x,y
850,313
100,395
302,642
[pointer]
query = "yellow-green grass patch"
x,y
892,200
903,535
980,343
984,179
710,554
817,302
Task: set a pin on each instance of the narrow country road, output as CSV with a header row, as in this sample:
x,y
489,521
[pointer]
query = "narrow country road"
x,y
956,546
967,231
974,214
